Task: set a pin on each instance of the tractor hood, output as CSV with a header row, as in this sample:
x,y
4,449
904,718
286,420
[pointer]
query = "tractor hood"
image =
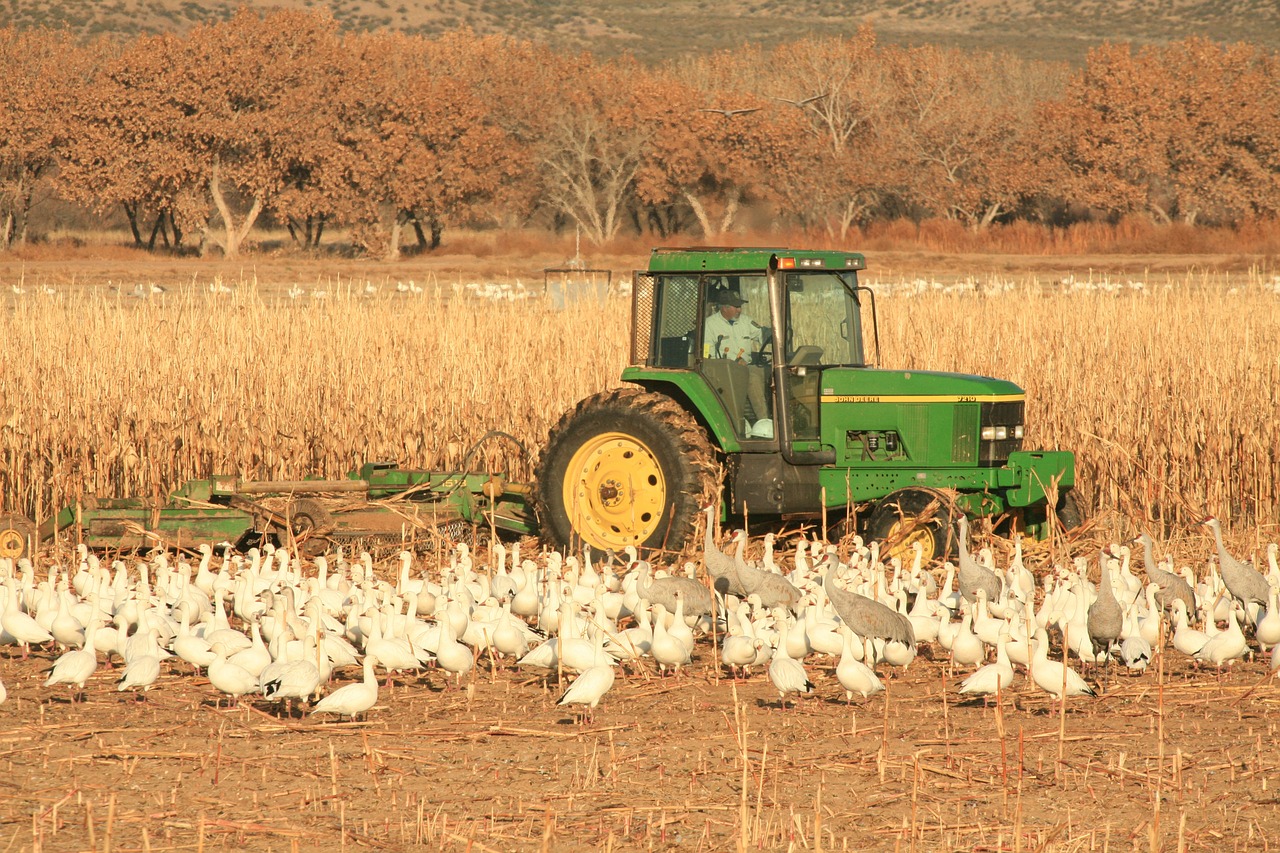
x,y
862,385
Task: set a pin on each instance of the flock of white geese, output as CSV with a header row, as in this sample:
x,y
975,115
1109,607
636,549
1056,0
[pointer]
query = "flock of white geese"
x,y
261,627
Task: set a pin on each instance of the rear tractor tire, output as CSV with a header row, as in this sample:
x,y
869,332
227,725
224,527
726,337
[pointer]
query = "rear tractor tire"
x,y
908,516
17,535
624,467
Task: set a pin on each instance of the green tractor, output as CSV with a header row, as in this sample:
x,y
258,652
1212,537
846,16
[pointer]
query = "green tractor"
x,y
749,379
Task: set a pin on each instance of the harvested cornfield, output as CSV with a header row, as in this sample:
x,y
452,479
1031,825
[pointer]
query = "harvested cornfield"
x,y
1165,388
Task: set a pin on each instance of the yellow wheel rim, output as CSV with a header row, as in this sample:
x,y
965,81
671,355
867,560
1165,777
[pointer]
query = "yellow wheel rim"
x,y
12,543
902,548
614,491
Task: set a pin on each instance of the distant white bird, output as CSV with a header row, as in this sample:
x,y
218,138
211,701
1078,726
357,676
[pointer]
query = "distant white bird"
x,y
588,688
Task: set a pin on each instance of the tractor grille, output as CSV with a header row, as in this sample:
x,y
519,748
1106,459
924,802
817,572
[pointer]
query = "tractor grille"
x,y
642,318
1008,414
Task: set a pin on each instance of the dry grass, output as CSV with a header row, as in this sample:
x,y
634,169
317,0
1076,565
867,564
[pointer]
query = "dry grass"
x,y
1167,394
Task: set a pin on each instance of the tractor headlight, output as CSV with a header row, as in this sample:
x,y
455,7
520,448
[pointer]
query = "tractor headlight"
x,y
1017,431
989,433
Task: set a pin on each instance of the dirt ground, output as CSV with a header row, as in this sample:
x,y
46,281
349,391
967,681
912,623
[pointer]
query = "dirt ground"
x,y
1174,759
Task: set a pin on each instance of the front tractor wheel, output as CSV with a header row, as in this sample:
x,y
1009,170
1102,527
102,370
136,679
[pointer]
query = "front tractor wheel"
x,y
17,535
908,516
625,467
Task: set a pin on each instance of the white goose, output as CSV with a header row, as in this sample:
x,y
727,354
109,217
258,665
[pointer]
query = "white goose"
x,y
21,626
76,666
1049,675
787,675
588,688
227,678
352,700
854,675
992,678
140,673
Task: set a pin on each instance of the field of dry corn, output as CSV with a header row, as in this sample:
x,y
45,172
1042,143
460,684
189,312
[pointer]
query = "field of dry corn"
x,y
1166,387
1168,393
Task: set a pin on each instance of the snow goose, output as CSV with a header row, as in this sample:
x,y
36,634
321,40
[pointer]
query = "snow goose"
x,y
290,680
787,675
1186,639
667,650
1267,630
75,667
966,648
992,678
227,678
854,675
588,688
452,656
140,673
21,626
1053,676
352,700
1225,646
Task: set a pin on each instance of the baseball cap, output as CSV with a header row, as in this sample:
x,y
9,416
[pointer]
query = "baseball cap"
x,y
732,298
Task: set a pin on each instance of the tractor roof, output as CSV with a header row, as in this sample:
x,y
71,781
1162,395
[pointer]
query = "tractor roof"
x,y
727,259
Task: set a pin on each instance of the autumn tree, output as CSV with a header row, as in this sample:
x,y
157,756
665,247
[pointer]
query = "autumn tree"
x,y
125,145
715,145
957,128
424,149
841,88
43,72
1184,131
594,146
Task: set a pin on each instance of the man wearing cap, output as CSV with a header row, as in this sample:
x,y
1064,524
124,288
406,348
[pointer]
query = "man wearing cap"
x,y
727,334
730,336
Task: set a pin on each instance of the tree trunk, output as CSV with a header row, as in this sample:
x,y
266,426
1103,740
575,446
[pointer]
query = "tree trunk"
x,y
393,239
131,214
700,212
233,235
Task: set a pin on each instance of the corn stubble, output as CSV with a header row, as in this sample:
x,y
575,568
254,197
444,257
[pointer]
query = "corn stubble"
x,y
1167,395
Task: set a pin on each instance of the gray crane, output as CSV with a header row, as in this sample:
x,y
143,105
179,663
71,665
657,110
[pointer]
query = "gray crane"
x,y
1245,583
972,575
722,568
1172,585
697,598
774,590
1106,617
864,616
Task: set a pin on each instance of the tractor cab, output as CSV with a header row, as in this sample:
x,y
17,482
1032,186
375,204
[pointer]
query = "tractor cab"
x,y
760,338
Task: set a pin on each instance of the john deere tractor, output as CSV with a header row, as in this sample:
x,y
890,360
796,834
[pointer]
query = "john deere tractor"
x,y
749,380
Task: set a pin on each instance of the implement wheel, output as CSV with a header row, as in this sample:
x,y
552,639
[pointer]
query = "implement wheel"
x,y
625,467
908,516
309,521
17,535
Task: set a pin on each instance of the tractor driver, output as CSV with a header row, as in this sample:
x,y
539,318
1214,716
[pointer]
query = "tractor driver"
x,y
730,336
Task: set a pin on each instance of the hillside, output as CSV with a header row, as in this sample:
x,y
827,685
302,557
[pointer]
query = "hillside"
x,y
1047,29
